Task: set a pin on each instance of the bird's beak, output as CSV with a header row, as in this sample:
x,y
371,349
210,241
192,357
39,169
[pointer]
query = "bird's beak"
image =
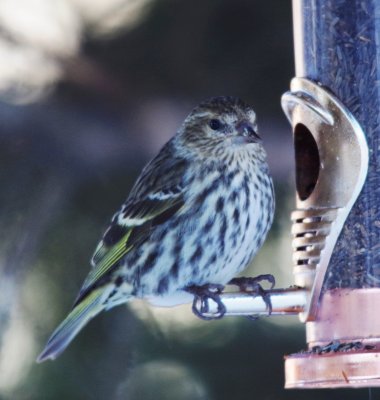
x,y
247,131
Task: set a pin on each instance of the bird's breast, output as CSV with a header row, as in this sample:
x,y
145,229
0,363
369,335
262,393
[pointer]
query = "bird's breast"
x,y
227,223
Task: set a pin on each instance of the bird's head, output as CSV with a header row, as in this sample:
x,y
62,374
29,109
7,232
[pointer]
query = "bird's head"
x,y
220,124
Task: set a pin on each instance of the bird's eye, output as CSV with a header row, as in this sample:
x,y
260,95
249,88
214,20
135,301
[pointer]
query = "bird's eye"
x,y
215,124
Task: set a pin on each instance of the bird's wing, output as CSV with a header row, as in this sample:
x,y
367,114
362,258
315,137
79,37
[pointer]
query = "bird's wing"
x,y
153,200
135,216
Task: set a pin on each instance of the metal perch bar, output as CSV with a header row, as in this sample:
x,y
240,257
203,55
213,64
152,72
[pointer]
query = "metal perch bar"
x,y
290,301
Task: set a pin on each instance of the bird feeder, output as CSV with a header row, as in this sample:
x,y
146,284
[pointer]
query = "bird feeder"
x,y
333,106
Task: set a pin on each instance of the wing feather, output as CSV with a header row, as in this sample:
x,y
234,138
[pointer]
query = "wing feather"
x,y
157,195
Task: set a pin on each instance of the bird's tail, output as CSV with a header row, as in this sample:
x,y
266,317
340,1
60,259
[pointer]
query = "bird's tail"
x,y
85,310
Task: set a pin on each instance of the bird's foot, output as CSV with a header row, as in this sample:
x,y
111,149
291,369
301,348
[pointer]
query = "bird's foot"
x,y
202,295
252,286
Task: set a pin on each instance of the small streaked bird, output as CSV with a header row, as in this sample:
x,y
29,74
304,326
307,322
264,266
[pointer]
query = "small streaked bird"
x,y
195,218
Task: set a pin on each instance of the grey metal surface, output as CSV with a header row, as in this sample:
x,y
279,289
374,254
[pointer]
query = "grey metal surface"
x,y
337,44
289,301
332,164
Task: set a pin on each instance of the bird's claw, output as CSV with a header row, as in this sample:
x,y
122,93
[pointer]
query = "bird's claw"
x,y
202,294
252,286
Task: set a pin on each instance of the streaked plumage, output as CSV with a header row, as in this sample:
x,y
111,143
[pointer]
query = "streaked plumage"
x,y
197,214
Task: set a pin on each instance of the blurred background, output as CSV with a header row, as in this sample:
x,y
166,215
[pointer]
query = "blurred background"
x,y
90,90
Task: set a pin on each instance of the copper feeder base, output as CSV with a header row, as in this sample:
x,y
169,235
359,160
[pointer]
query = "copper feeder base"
x,y
348,319
348,370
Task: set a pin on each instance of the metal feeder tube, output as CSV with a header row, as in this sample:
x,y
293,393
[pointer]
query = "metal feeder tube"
x,y
334,107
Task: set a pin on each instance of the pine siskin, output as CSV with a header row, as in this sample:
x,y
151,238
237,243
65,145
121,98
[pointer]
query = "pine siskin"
x,y
197,215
